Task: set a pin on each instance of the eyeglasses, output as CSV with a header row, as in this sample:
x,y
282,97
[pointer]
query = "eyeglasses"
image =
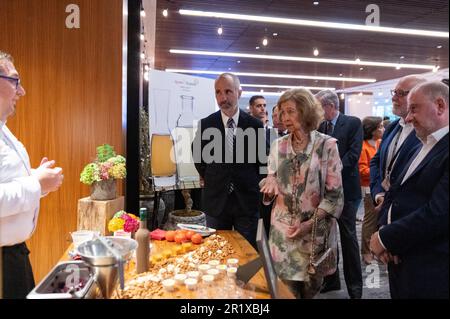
x,y
399,93
16,80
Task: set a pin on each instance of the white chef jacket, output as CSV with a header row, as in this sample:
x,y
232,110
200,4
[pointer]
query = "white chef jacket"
x,y
20,191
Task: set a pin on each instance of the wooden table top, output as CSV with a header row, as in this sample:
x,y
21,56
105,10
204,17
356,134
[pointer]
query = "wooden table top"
x,y
257,287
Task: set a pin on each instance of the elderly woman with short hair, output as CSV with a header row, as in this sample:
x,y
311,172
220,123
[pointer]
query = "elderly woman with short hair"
x,y
304,179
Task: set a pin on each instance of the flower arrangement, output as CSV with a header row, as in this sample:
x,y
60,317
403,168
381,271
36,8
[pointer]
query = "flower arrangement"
x,y
108,165
123,221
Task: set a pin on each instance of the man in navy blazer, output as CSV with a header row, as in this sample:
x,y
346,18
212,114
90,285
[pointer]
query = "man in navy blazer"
x,y
414,241
349,133
398,145
231,191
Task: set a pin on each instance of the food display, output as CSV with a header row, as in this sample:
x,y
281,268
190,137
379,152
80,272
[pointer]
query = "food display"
x,y
170,267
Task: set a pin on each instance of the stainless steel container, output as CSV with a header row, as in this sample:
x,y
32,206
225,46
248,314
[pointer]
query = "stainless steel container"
x,y
67,280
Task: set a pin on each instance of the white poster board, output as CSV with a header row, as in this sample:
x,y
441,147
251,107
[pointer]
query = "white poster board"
x,y
176,103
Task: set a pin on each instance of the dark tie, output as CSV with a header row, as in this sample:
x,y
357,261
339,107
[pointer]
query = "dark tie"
x,y
230,143
329,128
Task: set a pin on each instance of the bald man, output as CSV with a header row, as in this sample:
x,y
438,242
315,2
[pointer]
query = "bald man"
x,y
398,144
414,240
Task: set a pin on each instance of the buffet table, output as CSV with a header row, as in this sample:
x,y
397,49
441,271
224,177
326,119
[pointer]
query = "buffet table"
x,y
241,250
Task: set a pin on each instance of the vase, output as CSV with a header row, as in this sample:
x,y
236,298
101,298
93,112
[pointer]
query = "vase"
x,y
104,190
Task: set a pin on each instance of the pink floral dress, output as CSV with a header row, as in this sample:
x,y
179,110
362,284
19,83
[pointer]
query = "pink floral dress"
x,y
306,181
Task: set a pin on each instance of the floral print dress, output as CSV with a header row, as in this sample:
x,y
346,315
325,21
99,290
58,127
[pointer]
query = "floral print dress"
x,y
306,181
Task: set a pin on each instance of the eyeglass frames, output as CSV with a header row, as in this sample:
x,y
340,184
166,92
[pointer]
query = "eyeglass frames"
x,y
399,93
16,80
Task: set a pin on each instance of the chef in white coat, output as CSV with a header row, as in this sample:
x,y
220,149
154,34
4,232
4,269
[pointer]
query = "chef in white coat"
x,y
21,189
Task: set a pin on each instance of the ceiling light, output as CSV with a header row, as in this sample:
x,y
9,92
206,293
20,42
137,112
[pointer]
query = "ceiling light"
x,y
361,69
402,57
146,67
142,56
341,74
316,3
265,42
146,76
301,59
275,34
267,86
143,13
439,47
165,13
342,96
311,23
274,75
398,67
358,61
257,48
316,52
436,68
220,31
262,91
238,62
142,37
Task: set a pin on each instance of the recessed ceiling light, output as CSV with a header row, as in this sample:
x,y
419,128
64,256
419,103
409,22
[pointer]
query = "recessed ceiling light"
x,y
229,69
316,52
265,42
301,59
220,31
342,96
142,36
398,67
316,3
275,34
358,61
311,23
275,75
341,74
439,47
143,13
361,69
267,86
402,57
238,62
142,56
165,13
257,48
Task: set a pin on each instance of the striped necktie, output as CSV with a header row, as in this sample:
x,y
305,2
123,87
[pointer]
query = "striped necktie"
x,y
231,139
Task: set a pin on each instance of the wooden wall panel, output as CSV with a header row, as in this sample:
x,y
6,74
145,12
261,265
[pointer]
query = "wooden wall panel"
x,y
73,80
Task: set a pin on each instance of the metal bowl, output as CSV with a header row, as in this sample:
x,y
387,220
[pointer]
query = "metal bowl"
x,y
96,254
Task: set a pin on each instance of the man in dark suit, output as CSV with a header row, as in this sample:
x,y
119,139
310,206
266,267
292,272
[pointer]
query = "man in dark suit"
x,y
414,242
225,152
398,144
349,133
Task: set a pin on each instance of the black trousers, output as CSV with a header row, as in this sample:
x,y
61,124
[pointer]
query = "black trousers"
x,y
233,217
350,252
18,280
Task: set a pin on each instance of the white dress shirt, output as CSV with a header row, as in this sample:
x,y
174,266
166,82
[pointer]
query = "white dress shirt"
x,y
407,128
20,191
427,146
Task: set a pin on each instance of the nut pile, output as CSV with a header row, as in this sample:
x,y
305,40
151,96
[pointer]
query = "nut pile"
x,y
148,285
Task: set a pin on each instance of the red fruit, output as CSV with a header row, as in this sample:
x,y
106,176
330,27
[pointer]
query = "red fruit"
x,y
180,238
197,239
189,234
170,235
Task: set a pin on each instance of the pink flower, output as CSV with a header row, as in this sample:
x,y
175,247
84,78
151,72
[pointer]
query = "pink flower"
x,y
283,146
131,225
333,181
